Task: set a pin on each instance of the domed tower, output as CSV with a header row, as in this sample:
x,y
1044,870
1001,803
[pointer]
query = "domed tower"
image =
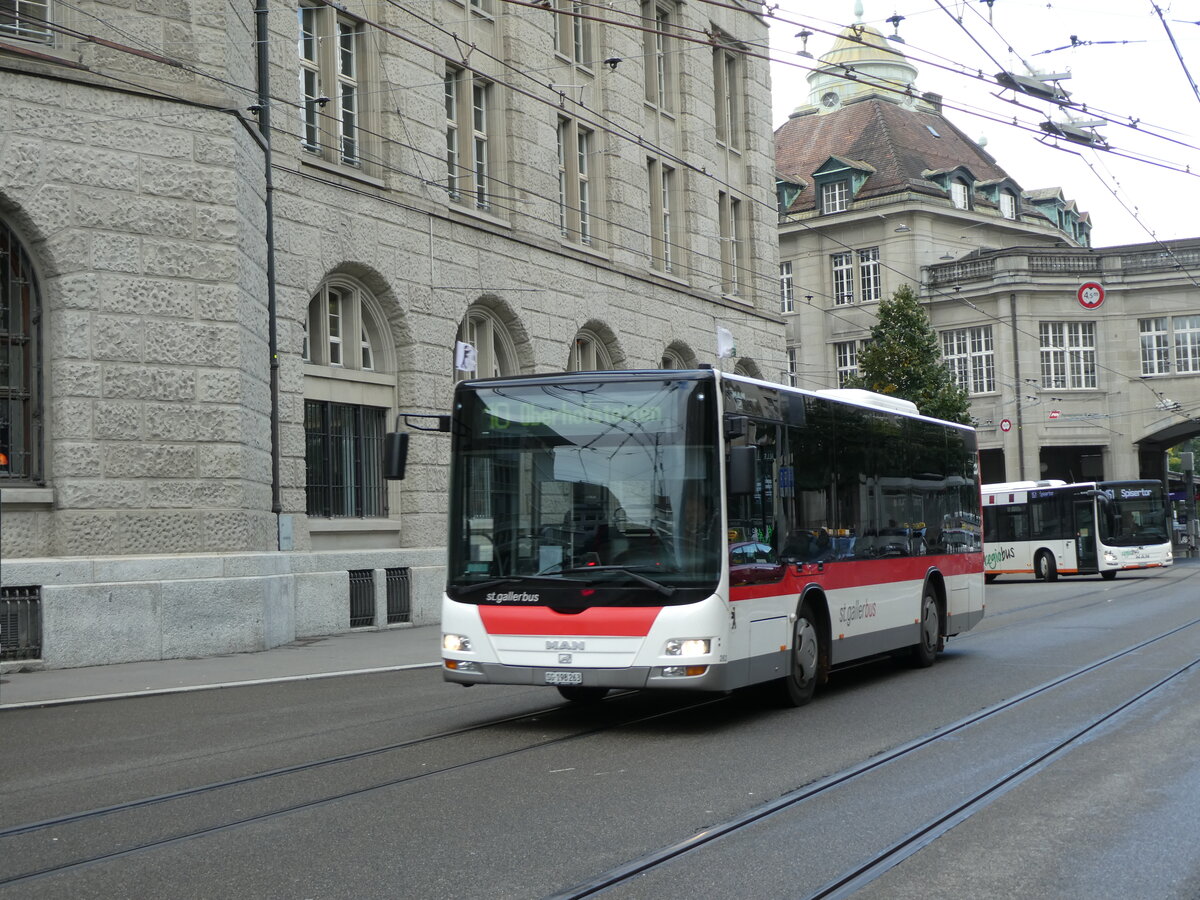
x,y
861,64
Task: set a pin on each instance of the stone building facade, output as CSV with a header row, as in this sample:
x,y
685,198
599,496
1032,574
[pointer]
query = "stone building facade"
x,y
237,247
1081,362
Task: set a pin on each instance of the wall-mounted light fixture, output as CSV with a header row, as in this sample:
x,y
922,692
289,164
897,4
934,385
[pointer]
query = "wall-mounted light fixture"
x,y
612,62
903,229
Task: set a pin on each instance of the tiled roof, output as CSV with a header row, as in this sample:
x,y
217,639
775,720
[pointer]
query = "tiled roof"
x,y
897,142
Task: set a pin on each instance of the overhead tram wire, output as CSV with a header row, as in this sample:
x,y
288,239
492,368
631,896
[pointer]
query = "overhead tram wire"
x,y
928,60
1175,47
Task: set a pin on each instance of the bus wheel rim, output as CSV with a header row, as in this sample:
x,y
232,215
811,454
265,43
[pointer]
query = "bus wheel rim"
x,y
806,651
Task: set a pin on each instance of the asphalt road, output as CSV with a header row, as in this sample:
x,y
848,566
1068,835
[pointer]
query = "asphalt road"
x,y
1048,753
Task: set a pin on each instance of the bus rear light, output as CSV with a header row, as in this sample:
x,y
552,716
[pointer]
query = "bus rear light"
x,y
456,643
683,671
688,647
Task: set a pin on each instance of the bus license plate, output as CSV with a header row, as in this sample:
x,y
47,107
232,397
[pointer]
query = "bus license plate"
x,y
564,678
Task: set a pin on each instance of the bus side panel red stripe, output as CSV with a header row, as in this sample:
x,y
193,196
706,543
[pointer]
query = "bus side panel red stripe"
x,y
863,573
629,621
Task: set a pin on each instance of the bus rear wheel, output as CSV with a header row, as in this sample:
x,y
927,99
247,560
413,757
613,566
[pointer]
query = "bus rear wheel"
x,y
925,650
579,694
805,660
989,578
1044,567
1109,575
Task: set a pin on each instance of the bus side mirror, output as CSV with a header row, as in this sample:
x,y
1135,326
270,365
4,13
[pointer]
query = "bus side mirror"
x,y
743,468
395,455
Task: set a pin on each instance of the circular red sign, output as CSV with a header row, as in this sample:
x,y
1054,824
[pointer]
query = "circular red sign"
x,y
1005,425
1090,295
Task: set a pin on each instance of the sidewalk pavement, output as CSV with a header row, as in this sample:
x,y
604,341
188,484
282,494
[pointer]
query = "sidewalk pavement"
x,y
353,653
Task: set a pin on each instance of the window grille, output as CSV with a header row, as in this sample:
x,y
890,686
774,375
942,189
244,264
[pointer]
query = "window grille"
x,y
344,460
20,623
398,583
362,598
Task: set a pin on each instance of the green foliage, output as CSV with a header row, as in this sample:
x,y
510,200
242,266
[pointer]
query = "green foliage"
x,y
903,359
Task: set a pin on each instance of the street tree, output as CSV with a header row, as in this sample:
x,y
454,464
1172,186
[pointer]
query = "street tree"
x,y
903,360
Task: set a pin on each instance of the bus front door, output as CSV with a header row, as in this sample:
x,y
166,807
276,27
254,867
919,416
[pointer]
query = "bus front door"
x,y
1085,535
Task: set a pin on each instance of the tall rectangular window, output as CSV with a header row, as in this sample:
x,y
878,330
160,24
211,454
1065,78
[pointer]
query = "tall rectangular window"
x,y
835,196
468,147
727,85
1068,355
959,195
20,364
793,369
344,460
573,36
25,20
970,357
574,181
1156,346
662,220
330,54
845,361
843,278
658,48
1187,343
787,290
732,243
870,280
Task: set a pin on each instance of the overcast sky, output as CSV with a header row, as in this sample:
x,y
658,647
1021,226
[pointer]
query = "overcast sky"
x,y
1144,81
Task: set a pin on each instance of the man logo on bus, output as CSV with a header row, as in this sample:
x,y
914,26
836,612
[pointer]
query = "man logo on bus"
x,y
565,645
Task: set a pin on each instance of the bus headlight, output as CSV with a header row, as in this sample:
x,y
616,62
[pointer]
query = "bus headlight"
x,y
688,646
456,643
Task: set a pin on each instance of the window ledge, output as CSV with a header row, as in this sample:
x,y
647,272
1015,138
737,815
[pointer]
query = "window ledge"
x,y
351,172
26,496
335,373
472,212
328,526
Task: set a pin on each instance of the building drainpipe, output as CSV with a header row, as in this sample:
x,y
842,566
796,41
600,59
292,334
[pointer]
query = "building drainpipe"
x,y
262,35
1012,312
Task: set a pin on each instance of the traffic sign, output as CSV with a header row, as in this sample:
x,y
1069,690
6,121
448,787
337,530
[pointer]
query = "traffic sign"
x,y
1090,294
1005,425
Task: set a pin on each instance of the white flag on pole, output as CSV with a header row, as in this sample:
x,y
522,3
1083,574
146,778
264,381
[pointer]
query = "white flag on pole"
x,y
725,346
464,356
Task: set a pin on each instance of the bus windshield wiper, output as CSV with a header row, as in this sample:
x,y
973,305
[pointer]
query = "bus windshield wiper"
x,y
664,589
516,579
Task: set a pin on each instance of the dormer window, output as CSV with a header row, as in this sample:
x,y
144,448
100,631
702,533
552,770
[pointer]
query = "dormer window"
x,y
1008,205
835,196
960,196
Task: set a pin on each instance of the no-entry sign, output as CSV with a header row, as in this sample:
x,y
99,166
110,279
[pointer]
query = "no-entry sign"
x,y
1005,425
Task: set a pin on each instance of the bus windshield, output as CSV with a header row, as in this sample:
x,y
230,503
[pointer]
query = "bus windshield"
x,y
585,492
1132,515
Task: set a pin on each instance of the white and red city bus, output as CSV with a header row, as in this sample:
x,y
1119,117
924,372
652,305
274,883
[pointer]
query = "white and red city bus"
x,y
1051,528
697,530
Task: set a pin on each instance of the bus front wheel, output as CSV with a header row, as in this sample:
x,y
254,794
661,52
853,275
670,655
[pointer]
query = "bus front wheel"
x,y
1044,566
805,661
989,578
1109,575
925,650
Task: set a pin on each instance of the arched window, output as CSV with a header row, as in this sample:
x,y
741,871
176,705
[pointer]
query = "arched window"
x,y
20,364
588,354
347,403
495,353
678,356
